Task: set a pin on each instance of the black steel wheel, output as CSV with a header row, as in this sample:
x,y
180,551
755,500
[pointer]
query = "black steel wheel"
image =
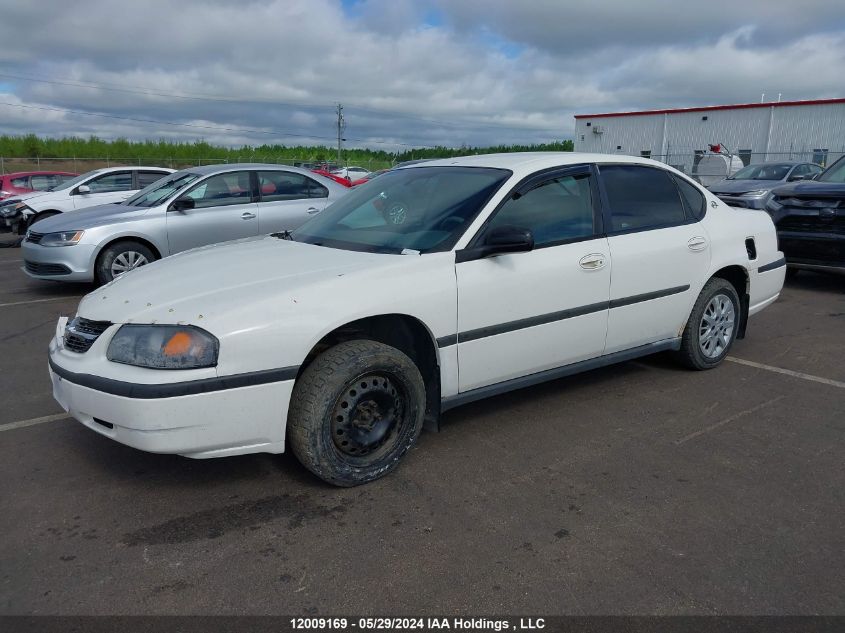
x,y
355,411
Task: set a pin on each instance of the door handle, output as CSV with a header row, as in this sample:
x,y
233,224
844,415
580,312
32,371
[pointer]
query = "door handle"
x,y
697,243
593,261
246,215
312,210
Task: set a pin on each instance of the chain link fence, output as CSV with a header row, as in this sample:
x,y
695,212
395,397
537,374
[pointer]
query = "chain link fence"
x,y
689,161
10,165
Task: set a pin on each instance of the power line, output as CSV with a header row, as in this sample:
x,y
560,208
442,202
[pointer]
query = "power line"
x,y
203,127
204,97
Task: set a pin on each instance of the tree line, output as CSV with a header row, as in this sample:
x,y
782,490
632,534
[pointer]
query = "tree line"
x,y
32,146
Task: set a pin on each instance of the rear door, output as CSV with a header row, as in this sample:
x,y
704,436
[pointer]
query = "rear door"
x,y
522,313
287,199
224,209
660,251
108,188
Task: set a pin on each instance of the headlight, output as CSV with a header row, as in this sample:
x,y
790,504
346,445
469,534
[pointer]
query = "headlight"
x,y
773,204
164,347
65,238
755,193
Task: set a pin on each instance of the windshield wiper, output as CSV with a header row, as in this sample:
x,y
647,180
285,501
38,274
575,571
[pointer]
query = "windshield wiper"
x,y
283,235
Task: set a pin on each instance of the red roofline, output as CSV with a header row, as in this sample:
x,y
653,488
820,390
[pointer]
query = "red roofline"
x,y
740,106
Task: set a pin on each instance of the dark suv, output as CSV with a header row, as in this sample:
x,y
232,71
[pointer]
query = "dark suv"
x,y
810,220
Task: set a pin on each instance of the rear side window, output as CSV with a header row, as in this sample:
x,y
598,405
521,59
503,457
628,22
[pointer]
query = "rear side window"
x,y
22,183
693,199
286,185
146,178
641,197
557,211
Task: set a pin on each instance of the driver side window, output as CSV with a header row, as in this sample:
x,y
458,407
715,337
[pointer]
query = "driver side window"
x,y
222,190
557,211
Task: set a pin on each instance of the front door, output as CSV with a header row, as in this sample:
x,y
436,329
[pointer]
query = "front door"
x,y
522,313
223,210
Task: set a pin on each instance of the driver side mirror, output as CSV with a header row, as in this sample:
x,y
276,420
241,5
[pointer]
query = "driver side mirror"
x,y
83,189
182,204
499,241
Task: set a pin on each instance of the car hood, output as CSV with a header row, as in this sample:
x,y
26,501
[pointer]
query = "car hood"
x,y
81,219
206,283
741,186
813,188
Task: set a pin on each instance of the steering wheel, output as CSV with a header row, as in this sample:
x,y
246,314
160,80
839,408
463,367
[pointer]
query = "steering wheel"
x,y
450,223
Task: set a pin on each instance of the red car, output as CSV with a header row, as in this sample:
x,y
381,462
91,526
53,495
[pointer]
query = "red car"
x,y
338,179
28,181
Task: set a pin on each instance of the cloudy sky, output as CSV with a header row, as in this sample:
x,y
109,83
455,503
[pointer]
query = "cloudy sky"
x,y
409,72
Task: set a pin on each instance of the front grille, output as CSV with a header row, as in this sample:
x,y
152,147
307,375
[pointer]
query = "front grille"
x,y
805,224
80,334
34,237
37,268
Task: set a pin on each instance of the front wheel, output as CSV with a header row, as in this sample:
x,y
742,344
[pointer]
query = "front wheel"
x,y
355,411
120,258
41,216
712,326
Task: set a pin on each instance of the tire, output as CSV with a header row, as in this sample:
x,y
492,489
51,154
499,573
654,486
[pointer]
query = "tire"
x,y
716,312
355,411
127,254
792,273
42,216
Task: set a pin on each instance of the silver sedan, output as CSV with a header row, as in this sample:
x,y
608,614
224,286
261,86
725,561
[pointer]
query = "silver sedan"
x,y
189,208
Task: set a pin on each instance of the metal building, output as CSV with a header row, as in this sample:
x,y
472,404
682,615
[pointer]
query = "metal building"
x,y
755,132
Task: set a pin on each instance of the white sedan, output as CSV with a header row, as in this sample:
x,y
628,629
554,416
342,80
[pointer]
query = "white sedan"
x,y
426,288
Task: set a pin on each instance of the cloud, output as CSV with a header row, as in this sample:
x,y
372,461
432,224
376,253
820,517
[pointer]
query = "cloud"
x,y
409,72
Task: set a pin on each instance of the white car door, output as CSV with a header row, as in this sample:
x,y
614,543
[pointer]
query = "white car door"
x,y
525,312
112,187
287,199
660,251
217,209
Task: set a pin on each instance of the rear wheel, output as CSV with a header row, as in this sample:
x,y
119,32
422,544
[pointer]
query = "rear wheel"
x,y
355,411
712,326
120,258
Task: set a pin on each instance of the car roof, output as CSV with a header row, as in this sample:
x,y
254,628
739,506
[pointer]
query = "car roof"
x,y
205,170
528,162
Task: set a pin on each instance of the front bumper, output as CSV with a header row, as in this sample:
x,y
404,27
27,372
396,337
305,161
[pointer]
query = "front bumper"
x,y
223,422
59,263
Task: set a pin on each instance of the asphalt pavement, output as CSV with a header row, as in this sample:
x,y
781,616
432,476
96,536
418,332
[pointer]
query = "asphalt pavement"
x,y
642,488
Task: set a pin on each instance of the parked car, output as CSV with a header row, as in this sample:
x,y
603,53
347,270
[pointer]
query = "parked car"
x,y
190,208
368,177
351,173
338,179
100,186
21,182
340,339
750,186
810,221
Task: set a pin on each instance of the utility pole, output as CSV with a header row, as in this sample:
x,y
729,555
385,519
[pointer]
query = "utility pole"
x,y
341,125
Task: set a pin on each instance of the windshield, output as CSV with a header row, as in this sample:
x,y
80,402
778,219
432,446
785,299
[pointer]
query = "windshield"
x,y
67,184
834,173
160,190
420,209
762,172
